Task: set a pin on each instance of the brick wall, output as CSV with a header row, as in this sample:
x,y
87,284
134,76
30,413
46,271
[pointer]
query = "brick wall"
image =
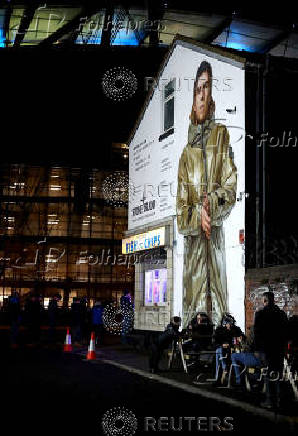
x,y
282,280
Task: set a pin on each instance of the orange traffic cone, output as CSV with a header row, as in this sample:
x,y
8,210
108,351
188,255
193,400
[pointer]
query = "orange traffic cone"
x,y
67,344
91,350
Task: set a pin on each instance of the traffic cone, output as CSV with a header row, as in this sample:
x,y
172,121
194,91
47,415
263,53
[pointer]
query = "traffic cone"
x,y
91,350
67,344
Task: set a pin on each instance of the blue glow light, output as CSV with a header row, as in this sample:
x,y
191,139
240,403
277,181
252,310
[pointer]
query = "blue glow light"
x,y
2,38
125,38
2,33
239,46
238,41
122,38
95,38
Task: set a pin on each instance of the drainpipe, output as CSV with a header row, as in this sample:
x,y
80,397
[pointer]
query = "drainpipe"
x,y
264,127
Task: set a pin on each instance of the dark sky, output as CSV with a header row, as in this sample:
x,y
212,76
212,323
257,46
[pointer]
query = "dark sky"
x,y
53,107
281,97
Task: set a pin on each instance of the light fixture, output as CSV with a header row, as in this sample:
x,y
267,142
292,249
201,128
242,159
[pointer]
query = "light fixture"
x,y
115,189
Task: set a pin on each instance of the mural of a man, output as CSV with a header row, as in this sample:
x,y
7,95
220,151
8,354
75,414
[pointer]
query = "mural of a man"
x,y
206,194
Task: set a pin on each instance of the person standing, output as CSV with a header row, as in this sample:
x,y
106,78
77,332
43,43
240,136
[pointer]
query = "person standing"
x,y
125,300
84,316
14,313
52,316
33,310
77,320
293,341
270,335
97,322
126,306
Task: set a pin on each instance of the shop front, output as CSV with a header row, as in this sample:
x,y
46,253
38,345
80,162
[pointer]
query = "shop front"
x,y
150,249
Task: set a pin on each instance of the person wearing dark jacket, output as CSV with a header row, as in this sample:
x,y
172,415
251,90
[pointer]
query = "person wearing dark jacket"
x,y
14,313
201,330
78,316
52,316
270,333
126,306
33,314
125,300
293,332
97,322
224,337
293,341
163,341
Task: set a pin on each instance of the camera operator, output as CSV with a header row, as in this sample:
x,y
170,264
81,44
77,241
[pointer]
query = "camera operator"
x,y
200,329
162,342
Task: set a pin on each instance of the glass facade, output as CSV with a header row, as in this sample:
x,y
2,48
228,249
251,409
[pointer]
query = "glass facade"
x,y
59,233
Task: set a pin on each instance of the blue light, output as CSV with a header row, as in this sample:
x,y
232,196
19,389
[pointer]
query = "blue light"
x,y
2,38
238,38
122,38
2,33
239,46
125,38
95,38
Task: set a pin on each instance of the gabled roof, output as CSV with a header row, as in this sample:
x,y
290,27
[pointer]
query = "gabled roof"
x,y
220,53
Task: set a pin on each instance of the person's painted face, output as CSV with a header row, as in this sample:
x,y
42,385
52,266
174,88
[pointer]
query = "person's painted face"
x,y
202,97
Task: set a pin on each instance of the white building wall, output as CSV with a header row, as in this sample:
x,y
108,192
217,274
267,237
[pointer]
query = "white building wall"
x,y
228,92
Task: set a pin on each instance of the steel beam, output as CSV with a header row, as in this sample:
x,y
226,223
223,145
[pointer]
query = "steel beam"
x,y
27,17
217,30
71,26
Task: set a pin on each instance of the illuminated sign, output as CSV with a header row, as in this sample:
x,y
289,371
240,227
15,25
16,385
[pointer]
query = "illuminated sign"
x,y
144,241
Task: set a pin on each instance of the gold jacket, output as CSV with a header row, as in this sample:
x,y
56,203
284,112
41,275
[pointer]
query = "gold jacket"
x,y
221,190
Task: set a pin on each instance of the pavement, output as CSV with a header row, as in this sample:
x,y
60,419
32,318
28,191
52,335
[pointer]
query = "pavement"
x,y
48,391
125,357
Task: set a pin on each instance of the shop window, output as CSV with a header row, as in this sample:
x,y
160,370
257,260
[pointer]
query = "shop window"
x,y
156,287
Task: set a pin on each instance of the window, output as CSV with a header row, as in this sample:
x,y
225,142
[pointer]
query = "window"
x,y
168,96
156,287
169,106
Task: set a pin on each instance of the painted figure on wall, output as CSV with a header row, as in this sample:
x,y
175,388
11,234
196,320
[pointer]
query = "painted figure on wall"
x,y
206,194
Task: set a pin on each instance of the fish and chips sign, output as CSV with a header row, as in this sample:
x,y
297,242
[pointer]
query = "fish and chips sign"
x,y
144,241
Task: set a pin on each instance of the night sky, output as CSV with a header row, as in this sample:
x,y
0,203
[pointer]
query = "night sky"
x,y
55,109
